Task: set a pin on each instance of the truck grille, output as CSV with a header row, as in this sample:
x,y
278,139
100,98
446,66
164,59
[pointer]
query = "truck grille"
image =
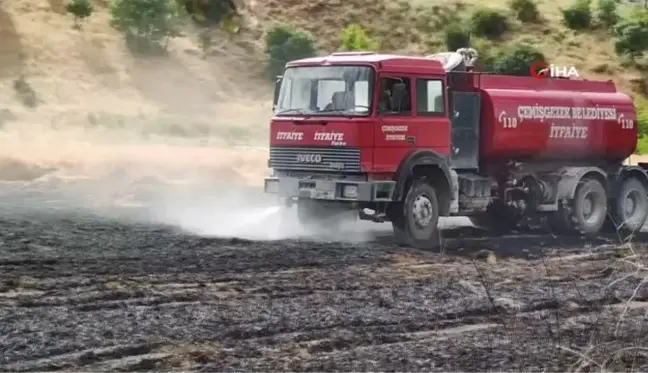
x,y
315,159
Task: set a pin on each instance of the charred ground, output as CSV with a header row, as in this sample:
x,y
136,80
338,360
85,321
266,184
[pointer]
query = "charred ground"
x,y
84,292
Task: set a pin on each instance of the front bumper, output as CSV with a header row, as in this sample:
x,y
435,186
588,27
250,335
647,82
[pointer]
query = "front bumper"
x,y
332,190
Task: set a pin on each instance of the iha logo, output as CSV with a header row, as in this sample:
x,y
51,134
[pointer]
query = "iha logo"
x,y
542,70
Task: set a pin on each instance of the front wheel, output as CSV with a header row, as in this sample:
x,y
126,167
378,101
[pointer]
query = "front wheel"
x,y
415,224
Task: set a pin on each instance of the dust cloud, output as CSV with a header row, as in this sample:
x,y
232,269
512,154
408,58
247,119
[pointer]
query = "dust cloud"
x,y
245,212
179,140
202,186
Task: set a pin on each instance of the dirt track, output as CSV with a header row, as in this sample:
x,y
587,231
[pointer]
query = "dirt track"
x,y
83,292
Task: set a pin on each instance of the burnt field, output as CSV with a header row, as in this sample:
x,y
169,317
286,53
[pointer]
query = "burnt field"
x,y
85,292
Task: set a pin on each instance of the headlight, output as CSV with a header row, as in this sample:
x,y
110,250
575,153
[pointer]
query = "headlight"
x,y
350,191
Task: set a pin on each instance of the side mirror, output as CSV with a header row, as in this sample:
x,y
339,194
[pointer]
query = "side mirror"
x,y
276,91
398,92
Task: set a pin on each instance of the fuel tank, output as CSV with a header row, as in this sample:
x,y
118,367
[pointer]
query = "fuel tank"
x,y
535,119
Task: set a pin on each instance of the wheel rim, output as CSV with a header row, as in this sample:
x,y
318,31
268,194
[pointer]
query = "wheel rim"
x,y
632,208
630,204
422,211
588,204
592,208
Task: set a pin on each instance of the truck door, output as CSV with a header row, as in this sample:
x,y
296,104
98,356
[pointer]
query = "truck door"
x,y
465,129
407,126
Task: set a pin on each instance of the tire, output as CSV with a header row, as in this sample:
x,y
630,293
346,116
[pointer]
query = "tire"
x,y
416,224
631,206
587,212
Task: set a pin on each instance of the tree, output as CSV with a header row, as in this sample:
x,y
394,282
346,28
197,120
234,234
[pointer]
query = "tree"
x,y
456,36
578,16
80,9
210,12
607,13
489,23
285,44
632,36
354,38
525,10
641,104
146,24
517,60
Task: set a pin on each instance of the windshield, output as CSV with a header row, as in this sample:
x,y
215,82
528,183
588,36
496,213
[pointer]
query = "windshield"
x,y
326,90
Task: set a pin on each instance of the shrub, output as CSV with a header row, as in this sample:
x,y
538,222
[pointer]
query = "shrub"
x,y
80,9
212,12
146,24
642,124
487,52
525,10
607,13
285,44
517,60
354,38
25,93
205,42
456,37
578,16
632,36
6,116
642,146
642,115
489,23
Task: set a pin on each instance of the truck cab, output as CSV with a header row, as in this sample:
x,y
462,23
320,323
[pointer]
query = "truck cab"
x,y
349,128
411,139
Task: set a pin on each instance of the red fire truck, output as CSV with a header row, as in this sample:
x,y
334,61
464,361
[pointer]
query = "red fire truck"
x,y
412,139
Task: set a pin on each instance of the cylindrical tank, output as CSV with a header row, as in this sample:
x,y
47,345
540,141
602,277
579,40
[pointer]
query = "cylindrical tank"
x,y
557,121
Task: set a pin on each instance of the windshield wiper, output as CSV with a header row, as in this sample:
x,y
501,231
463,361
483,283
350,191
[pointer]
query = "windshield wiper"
x,y
347,112
298,111
337,111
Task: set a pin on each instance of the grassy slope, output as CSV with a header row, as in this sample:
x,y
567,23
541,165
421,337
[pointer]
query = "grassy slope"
x,y
101,107
88,77
413,27
88,80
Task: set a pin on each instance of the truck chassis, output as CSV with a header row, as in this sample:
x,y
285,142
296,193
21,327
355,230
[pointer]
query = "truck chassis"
x,y
571,200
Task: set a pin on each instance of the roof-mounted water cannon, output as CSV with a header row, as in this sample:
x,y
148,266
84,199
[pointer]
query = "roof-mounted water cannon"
x,y
470,57
451,61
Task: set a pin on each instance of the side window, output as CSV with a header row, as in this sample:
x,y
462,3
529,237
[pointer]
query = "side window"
x,y
387,104
429,97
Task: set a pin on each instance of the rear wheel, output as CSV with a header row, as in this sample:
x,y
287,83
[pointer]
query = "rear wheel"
x,y
415,220
585,213
631,206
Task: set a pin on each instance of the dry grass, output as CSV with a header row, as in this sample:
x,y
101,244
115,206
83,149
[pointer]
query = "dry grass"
x,y
100,105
